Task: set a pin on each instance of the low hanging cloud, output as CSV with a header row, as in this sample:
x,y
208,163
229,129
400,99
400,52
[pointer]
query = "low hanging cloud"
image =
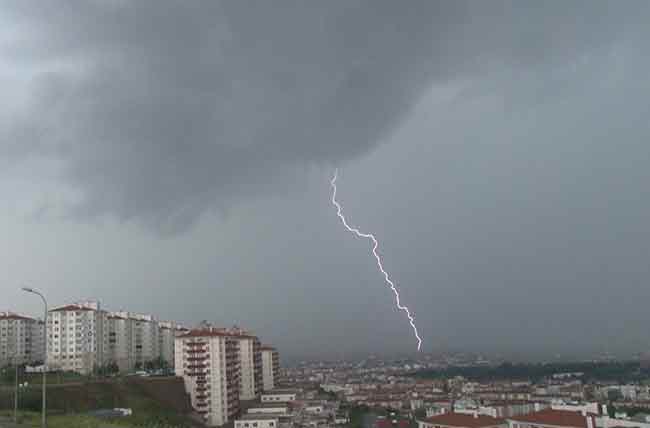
x,y
159,111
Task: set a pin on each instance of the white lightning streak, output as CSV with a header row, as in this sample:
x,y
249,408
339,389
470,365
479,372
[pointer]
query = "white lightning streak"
x,y
371,237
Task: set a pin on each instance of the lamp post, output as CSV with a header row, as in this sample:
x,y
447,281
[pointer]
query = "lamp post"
x,y
16,390
44,415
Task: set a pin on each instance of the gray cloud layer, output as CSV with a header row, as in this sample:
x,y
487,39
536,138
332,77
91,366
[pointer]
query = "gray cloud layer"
x,y
161,110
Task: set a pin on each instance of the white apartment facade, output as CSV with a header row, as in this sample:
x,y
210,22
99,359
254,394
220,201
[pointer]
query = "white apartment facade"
x,y
270,367
21,339
145,339
136,339
208,361
120,341
77,337
167,336
250,364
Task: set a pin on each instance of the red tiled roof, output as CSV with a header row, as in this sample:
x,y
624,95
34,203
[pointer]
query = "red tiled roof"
x,y
240,335
466,421
562,418
12,316
71,308
387,423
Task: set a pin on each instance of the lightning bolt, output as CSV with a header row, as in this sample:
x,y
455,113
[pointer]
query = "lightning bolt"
x,y
380,265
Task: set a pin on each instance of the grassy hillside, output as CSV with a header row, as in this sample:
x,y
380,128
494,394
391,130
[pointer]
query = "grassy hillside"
x,y
155,402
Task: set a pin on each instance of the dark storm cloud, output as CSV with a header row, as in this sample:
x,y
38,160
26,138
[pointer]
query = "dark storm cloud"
x,y
161,110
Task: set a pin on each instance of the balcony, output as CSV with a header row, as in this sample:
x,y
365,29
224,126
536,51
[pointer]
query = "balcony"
x,y
196,366
198,358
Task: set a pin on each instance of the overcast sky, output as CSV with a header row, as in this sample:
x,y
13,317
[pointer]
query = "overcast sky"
x,y
174,158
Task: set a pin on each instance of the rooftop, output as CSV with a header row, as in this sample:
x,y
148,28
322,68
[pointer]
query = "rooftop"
x,y
280,391
462,420
562,418
13,316
72,307
256,417
270,405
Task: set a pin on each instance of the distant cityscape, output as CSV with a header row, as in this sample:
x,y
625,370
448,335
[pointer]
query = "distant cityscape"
x,y
231,378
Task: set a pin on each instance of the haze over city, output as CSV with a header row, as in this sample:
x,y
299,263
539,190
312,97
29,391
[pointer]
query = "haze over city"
x,y
175,158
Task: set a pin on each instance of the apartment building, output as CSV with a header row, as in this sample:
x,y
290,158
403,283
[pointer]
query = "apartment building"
x,y
77,337
270,367
167,336
145,339
22,339
120,341
136,339
208,361
250,363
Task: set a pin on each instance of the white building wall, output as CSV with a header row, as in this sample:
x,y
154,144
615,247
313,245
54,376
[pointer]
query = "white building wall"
x,y
167,337
120,341
268,381
257,423
278,397
38,342
145,339
247,385
283,409
21,339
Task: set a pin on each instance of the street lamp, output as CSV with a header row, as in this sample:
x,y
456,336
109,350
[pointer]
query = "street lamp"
x,y
16,390
44,415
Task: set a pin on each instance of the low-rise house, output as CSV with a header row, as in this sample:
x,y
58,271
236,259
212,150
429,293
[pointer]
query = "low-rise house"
x,y
256,421
279,395
269,408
